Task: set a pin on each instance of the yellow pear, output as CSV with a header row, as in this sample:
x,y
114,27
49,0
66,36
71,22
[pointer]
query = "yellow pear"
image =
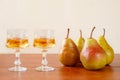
x,y
69,53
107,48
80,42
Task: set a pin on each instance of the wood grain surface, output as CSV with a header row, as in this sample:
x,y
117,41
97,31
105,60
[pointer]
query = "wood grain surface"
x,y
31,61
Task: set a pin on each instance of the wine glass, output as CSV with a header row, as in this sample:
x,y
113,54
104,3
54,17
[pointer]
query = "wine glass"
x,y
17,39
44,39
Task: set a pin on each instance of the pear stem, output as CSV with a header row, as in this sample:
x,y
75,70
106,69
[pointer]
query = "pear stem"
x,y
103,32
92,32
68,30
80,33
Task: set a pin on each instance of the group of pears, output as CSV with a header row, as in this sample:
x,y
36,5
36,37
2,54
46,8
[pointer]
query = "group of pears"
x,y
93,54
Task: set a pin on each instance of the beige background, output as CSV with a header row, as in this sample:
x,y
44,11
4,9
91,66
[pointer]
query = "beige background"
x,y
59,15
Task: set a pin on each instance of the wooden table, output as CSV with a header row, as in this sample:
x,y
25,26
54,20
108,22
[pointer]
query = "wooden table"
x,y
31,61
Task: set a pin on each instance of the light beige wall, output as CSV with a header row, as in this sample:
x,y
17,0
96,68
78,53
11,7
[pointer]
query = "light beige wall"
x,y
59,15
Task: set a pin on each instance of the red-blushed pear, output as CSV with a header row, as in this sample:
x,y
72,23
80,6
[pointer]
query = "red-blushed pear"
x,y
107,48
92,56
69,53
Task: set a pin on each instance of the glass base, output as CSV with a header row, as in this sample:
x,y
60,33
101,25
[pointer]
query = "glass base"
x,y
44,68
17,69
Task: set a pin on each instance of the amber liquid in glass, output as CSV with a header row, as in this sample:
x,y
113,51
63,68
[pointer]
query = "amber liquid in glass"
x,y
44,42
17,43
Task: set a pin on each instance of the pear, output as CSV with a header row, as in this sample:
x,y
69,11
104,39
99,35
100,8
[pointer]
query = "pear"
x,y
80,42
92,56
69,53
107,48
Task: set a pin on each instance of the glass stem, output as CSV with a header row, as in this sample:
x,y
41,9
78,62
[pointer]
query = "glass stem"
x,y
44,60
17,61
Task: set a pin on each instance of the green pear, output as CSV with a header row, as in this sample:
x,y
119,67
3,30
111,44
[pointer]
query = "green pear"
x,y
69,53
92,56
80,42
107,48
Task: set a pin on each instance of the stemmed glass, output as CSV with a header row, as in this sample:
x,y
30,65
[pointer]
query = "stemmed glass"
x,y
17,39
44,39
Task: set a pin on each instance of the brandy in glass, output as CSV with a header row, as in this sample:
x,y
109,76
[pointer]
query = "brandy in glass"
x,y
44,39
17,39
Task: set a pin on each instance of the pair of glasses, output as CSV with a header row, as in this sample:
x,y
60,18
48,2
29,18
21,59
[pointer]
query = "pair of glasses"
x,y
18,39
